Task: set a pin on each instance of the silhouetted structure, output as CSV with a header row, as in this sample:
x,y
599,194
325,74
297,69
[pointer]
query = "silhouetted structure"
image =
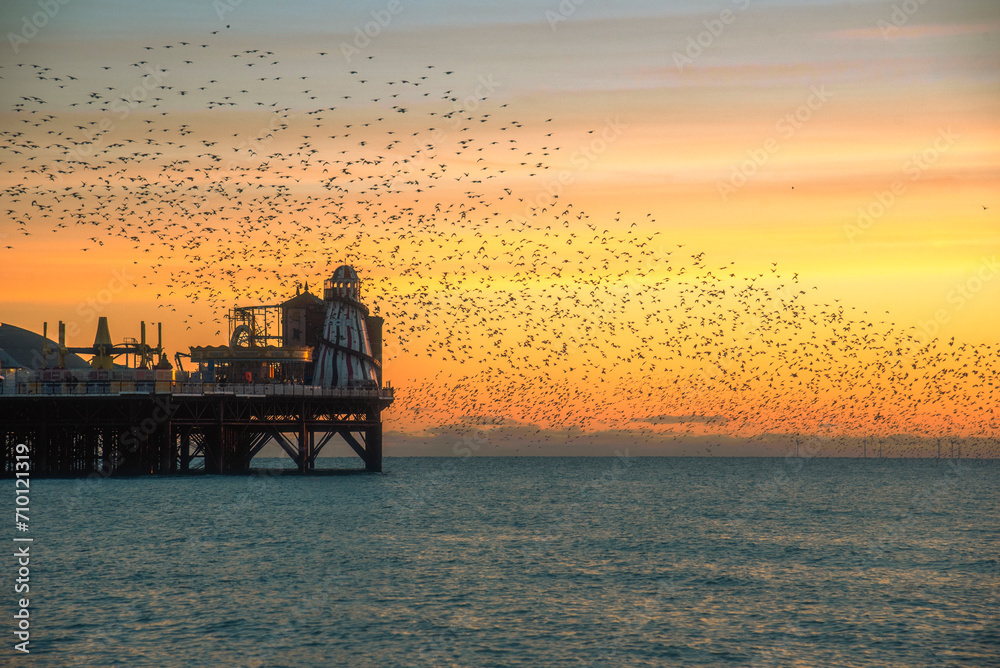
x,y
176,431
345,357
130,421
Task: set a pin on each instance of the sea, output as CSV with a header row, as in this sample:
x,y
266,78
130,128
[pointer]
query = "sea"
x,y
527,561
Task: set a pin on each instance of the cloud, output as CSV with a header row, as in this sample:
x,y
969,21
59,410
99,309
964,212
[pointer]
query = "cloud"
x,y
486,420
682,419
915,31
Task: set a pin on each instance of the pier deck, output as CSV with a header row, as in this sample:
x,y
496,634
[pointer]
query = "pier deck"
x,y
75,431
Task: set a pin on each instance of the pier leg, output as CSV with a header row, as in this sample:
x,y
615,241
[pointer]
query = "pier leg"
x,y
42,445
303,448
373,443
168,464
214,444
185,449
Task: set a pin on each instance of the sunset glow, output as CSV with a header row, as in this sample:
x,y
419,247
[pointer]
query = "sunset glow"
x,y
651,223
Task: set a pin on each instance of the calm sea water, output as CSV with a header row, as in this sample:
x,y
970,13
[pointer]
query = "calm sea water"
x,y
525,562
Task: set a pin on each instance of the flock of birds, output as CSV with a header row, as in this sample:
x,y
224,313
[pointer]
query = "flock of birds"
x,y
237,175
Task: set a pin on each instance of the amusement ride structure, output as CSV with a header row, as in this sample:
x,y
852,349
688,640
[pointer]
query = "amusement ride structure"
x,y
297,374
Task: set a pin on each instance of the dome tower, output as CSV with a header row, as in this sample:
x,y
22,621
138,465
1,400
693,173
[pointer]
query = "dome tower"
x,y
345,350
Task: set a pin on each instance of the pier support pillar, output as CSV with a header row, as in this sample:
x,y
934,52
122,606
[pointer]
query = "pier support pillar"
x,y
304,454
185,449
373,443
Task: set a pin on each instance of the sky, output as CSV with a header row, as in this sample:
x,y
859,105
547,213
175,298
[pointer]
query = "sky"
x,y
671,226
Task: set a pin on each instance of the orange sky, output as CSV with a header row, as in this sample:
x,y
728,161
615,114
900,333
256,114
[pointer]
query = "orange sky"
x,y
477,168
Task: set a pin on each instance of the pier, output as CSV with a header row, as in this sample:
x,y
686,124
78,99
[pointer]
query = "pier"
x,y
185,428
299,374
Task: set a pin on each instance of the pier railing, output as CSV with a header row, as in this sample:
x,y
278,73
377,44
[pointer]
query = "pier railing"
x,y
12,387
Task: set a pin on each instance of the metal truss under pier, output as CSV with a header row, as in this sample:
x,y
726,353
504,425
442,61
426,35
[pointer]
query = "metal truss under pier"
x,y
165,433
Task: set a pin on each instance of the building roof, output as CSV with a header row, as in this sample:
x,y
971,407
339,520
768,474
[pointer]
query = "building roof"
x,y
304,300
345,272
22,348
